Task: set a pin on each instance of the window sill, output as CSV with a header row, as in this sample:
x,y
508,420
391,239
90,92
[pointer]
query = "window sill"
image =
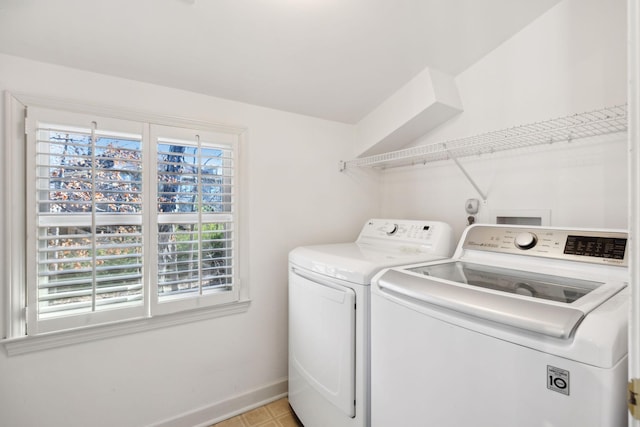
x,y
29,344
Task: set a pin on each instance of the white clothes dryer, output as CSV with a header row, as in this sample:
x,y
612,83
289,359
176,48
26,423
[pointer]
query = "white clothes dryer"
x,y
524,326
329,315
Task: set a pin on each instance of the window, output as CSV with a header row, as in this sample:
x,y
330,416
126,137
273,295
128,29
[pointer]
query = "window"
x,y
125,220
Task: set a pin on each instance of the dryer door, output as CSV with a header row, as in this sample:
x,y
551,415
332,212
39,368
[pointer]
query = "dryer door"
x,y
322,338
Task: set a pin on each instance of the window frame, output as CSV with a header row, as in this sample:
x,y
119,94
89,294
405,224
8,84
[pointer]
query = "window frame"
x,y
16,339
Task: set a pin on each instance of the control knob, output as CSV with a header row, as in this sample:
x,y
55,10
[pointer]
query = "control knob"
x,y
390,229
525,240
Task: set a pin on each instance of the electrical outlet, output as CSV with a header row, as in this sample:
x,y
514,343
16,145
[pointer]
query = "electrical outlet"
x,y
472,206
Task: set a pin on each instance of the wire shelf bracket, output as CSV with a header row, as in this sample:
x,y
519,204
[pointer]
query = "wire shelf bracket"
x,y
466,174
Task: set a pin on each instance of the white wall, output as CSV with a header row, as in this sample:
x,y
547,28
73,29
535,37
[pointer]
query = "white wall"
x,y
570,60
296,196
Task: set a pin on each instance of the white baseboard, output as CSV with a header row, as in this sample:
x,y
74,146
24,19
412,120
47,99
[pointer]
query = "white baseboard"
x,y
220,411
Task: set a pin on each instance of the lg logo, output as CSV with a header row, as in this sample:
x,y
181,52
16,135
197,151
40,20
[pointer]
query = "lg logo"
x,y
558,379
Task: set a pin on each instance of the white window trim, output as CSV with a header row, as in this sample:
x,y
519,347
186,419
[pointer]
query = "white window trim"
x,y
25,344
15,339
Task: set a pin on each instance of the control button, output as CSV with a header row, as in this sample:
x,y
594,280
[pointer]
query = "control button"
x,y
390,228
525,240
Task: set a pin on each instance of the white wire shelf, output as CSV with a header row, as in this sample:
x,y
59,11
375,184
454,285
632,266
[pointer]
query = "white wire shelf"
x,y
593,123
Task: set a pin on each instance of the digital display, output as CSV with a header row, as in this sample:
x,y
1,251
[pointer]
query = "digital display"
x,y
599,247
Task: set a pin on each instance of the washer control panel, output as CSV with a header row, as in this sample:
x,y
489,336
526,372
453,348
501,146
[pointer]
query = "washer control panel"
x,y
595,246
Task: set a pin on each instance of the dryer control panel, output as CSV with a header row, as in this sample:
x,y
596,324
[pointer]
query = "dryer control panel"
x,y
594,246
407,235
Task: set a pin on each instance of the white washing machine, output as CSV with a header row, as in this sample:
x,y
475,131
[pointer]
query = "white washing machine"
x,y
522,327
329,315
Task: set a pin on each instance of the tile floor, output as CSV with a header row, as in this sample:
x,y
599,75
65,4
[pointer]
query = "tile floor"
x,y
275,414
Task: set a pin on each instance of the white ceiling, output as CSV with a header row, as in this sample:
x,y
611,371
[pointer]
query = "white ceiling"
x,y
334,59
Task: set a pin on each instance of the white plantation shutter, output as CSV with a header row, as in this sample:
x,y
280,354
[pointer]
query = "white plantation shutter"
x,y
126,219
86,184
196,216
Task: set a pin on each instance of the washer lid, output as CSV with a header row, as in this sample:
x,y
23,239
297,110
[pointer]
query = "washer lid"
x,y
355,262
531,284
542,303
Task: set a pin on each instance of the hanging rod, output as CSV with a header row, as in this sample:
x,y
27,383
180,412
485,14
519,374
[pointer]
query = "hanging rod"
x,y
582,125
